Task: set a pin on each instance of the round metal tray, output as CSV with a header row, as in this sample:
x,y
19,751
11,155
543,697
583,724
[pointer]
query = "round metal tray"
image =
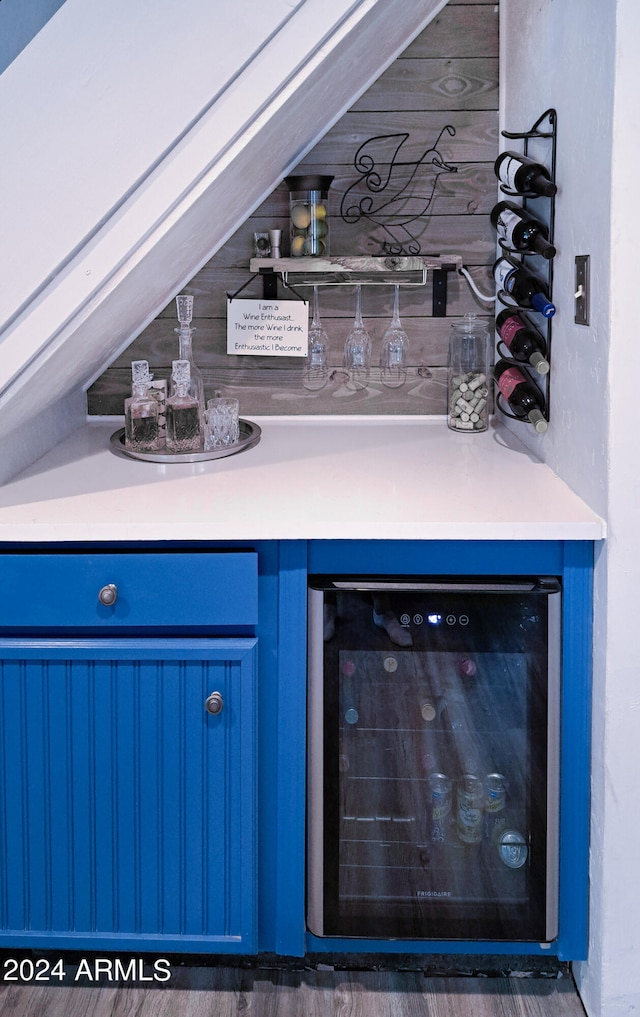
x,y
249,436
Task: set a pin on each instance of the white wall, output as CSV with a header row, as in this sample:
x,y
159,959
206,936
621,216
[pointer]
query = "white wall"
x,y
617,755
581,57
556,54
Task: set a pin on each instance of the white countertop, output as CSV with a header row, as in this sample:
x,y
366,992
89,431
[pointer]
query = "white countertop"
x,y
323,478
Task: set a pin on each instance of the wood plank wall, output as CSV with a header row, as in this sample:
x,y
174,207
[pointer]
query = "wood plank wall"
x,y
447,76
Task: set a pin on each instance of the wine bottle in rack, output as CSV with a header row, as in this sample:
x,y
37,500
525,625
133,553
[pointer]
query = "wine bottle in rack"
x,y
521,286
523,342
523,397
524,176
520,231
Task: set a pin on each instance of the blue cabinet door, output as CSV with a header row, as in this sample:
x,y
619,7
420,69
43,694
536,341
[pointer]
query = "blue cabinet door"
x,y
127,811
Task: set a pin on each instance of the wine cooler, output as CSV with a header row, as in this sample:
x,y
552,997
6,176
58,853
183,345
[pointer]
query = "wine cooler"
x,y
433,768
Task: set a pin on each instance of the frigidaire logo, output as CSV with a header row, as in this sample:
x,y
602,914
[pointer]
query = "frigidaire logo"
x,y
433,893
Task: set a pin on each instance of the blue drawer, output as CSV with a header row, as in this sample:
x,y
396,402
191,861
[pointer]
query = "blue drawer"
x,y
172,590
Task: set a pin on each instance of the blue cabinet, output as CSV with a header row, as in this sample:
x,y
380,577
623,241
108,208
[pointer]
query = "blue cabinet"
x,y
128,810
208,591
133,819
128,764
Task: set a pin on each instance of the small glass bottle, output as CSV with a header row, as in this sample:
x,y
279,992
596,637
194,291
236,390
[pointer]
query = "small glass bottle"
x,y
184,306
468,408
309,216
183,418
141,412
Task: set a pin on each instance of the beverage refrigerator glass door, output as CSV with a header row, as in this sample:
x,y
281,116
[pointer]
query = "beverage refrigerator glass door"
x,y
433,768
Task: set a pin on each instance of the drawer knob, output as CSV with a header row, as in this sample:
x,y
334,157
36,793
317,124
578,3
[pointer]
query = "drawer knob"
x,y
108,594
214,703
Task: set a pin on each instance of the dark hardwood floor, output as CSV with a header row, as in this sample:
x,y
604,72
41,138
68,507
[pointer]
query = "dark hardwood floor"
x,y
238,992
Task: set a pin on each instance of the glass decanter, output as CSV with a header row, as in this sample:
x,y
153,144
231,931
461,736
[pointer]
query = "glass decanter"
x,y
184,433
184,306
141,431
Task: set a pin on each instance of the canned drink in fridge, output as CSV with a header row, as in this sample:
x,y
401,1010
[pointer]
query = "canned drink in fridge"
x,y
470,803
512,849
440,806
495,800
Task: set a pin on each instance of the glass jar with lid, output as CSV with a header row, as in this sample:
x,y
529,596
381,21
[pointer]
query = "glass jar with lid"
x,y
309,215
468,375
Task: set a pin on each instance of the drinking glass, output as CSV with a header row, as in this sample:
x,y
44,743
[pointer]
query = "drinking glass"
x,y
222,424
395,345
357,350
316,371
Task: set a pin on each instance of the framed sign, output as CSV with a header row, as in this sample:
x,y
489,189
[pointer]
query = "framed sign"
x,y
267,328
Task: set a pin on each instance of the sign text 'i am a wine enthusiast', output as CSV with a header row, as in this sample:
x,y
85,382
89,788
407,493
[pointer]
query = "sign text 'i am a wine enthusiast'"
x,y
267,328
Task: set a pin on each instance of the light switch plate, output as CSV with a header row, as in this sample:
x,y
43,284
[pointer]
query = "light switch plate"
x,y
581,293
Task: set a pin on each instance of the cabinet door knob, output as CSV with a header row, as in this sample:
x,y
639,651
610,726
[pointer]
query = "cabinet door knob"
x,y
214,703
108,594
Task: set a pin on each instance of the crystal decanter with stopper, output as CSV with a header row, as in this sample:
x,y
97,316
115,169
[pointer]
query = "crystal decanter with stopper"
x,y
184,306
141,411
183,417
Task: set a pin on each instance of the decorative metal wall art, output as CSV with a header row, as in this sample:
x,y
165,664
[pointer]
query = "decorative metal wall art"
x,y
394,193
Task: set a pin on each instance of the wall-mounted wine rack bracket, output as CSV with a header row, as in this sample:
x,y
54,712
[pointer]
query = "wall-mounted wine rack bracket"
x,y
390,270
544,130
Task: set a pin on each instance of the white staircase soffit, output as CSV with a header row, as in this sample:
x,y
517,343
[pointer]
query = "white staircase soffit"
x,y
137,138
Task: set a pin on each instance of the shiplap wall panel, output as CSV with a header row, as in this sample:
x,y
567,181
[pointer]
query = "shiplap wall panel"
x,y
403,86
447,76
459,30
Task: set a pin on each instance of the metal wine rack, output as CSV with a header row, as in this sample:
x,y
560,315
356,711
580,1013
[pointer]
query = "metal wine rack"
x,y
542,134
